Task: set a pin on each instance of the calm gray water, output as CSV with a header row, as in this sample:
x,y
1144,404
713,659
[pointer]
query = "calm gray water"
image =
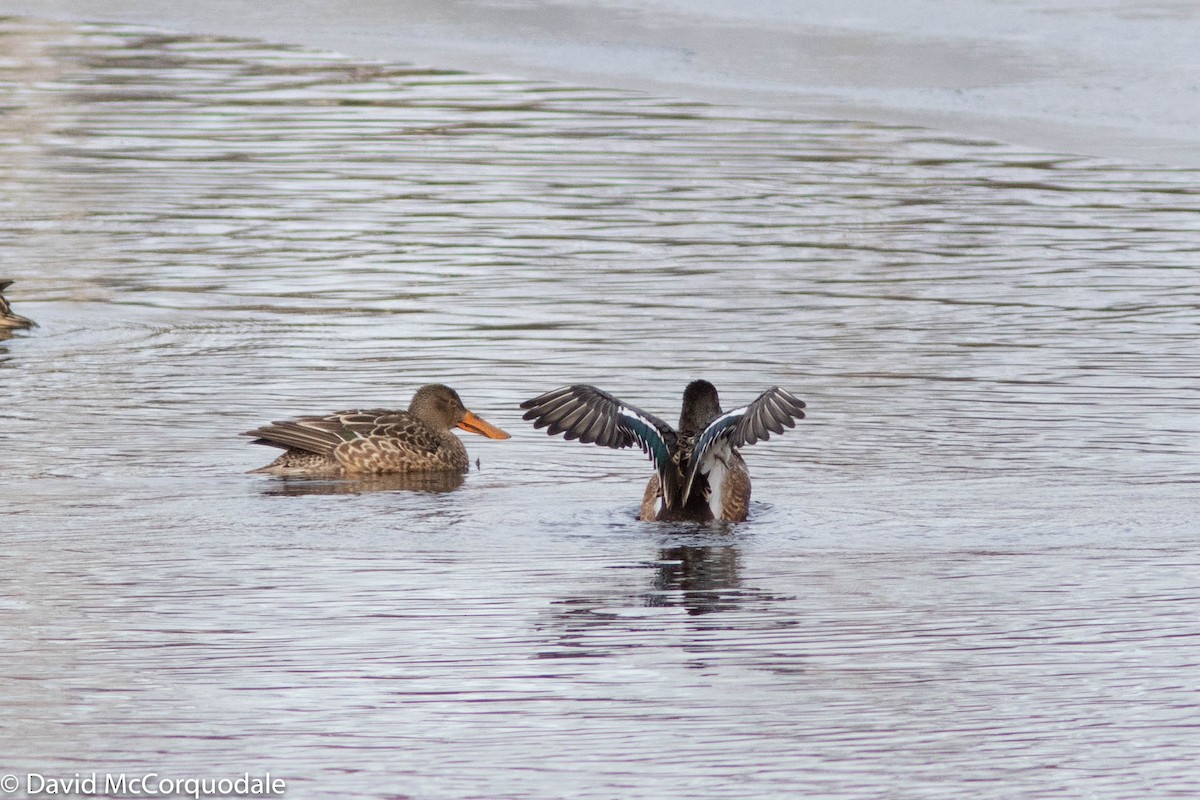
x,y
974,571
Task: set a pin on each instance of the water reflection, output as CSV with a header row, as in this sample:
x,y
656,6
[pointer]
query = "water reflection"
x,y
431,482
700,579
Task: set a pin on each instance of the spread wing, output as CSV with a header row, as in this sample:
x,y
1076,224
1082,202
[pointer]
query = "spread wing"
x,y
323,435
590,415
774,410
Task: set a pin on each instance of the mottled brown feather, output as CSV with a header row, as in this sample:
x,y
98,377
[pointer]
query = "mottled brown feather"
x,y
369,442
9,319
376,441
735,495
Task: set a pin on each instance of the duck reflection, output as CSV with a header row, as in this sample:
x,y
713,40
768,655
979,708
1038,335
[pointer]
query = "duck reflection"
x,y
431,482
688,581
701,579
9,333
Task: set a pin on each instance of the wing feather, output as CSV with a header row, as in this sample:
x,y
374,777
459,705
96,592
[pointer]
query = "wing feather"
x,y
571,423
773,410
593,428
323,435
301,434
583,412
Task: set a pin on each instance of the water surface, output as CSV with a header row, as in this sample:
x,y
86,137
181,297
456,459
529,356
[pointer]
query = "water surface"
x,y
972,571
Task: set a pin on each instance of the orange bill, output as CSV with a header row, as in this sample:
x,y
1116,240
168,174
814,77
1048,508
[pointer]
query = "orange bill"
x,y
479,425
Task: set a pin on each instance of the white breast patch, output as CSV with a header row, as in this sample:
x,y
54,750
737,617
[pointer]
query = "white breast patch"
x,y
716,465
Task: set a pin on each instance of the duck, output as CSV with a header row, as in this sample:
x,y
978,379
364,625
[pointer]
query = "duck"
x,y
699,475
9,320
376,441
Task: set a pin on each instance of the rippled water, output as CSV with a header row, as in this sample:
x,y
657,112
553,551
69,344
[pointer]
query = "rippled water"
x,y
971,572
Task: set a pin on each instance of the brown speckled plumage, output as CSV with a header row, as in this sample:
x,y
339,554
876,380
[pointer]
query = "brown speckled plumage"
x,y
376,441
734,499
9,320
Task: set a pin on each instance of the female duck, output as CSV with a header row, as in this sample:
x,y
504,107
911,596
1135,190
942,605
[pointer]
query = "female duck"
x,y
377,441
698,472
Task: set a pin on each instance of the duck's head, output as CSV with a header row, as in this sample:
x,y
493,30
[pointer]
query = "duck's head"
x,y
441,408
700,407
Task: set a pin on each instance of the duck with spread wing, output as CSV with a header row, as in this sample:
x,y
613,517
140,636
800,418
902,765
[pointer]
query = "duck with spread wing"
x,y
699,475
